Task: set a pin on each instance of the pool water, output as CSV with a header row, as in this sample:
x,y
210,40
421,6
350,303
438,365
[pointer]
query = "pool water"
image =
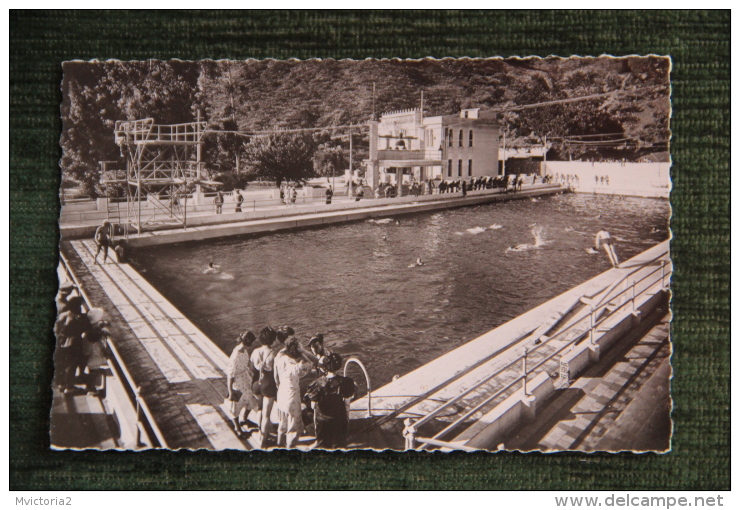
x,y
360,285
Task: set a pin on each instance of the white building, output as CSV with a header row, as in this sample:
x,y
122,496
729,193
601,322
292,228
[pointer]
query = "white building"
x,y
406,147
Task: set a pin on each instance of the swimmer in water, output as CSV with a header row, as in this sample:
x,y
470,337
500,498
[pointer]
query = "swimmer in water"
x,y
604,238
212,268
418,262
398,222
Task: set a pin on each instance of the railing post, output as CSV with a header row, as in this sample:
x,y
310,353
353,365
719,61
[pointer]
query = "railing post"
x,y
634,309
591,327
662,274
138,416
409,432
524,371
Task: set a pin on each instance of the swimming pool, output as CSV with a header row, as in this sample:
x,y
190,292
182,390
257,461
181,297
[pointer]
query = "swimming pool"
x,y
359,283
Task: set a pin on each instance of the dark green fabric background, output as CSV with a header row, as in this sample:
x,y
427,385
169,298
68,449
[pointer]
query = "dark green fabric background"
x,y
699,43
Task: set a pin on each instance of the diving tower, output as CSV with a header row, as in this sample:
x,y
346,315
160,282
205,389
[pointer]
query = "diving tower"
x,y
163,165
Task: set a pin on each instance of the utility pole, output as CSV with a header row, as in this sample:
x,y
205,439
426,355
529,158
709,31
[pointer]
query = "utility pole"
x,y
373,100
197,164
544,154
503,160
350,160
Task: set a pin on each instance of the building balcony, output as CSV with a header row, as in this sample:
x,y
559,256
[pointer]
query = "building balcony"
x,y
409,155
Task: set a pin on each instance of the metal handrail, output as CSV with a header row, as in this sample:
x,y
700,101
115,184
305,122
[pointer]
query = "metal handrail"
x,y
480,406
412,427
367,380
138,399
594,309
453,401
444,444
623,279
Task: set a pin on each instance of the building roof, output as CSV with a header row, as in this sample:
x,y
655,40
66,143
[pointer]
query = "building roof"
x,y
659,157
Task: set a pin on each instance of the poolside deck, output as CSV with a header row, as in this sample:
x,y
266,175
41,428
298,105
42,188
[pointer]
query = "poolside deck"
x,y
275,218
180,372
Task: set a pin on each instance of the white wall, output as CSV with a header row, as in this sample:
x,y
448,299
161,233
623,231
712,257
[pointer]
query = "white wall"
x,y
637,179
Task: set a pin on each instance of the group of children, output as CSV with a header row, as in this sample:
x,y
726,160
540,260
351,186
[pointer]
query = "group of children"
x,y
270,375
76,333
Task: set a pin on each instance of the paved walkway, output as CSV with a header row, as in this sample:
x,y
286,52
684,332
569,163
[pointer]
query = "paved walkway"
x,y
161,224
182,374
81,421
621,403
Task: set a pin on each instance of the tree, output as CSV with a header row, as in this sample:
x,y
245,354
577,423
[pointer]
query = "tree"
x,y
255,95
281,156
329,160
97,94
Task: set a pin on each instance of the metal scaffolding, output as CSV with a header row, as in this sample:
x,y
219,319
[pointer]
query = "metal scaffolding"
x,y
163,164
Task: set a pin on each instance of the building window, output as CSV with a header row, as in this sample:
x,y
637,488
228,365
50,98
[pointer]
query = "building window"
x,y
449,168
459,167
470,167
470,138
460,142
450,136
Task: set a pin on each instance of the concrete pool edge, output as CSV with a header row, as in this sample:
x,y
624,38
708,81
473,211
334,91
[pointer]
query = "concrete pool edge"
x,y
357,211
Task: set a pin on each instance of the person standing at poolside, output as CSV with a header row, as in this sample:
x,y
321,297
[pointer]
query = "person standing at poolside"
x,y
64,295
290,366
219,201
239,381
329,395
70,330
263,359
239,200
103,240
329,195
317,348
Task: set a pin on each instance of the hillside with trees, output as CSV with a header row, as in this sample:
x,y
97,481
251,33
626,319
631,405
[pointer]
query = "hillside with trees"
x,y
238,99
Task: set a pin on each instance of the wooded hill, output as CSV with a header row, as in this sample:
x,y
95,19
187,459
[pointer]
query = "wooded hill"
x,y
256,95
